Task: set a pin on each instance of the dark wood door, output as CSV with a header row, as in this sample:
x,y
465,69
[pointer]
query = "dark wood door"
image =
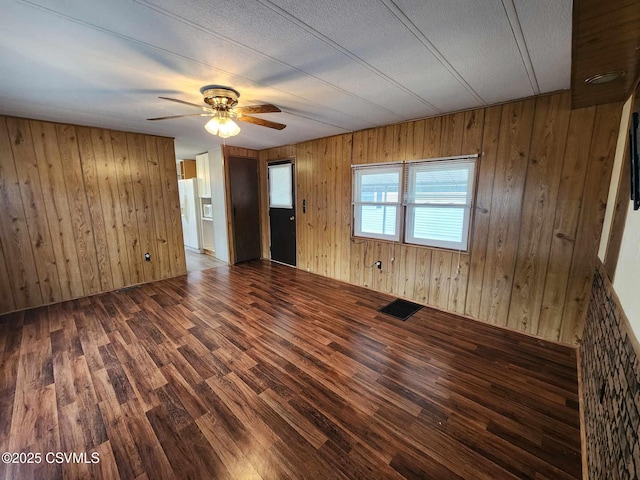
x,y
245,211
282,212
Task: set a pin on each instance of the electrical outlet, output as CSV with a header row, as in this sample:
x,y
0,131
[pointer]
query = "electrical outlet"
x,y
379,265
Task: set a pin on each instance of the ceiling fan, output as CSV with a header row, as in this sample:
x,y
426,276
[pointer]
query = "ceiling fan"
x,y
221,106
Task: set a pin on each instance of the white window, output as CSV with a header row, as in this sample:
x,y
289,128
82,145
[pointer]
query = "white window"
x,y
436,211
280,192
438,202
377,201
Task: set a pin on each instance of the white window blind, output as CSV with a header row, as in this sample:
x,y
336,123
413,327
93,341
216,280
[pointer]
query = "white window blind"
x,y
438,201
377,201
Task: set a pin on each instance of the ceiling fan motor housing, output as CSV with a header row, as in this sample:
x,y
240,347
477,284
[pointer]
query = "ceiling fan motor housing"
x,y
219,97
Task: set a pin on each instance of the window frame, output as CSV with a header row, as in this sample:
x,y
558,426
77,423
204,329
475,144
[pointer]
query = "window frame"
x,y
470,165
357,204
287,182
404,216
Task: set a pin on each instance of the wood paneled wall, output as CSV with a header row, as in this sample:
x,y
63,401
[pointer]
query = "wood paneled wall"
x,y
80,207
542,187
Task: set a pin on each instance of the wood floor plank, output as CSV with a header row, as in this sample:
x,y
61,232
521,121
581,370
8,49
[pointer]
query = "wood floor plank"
x,y
259,371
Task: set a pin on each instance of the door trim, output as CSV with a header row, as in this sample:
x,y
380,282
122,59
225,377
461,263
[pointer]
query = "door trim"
x,y
229,151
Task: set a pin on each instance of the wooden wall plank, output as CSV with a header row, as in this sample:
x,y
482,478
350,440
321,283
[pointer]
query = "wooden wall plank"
x,y
453,127
482,210
54,190
344,199
459,283
323,201
304,162
422,275
431,139
546,157
263,179
378,276
143,204
603,144
565,223
356,265
333,209
471,144
15,285
7,303
128,206
506,205
171,202
317,201
34,209
440,281
359,155
92,192
80,216
406,264
360,146
157,193
401,141
110,199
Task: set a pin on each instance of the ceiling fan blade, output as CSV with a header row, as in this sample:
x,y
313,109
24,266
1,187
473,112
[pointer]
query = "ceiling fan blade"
x,y
267,108
206,109
261,122
181,116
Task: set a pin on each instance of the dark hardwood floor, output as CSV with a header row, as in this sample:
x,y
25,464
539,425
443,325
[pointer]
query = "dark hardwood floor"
x,y
264,371
197,262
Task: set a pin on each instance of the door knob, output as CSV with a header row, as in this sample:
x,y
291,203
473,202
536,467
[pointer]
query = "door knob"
x,y
292,218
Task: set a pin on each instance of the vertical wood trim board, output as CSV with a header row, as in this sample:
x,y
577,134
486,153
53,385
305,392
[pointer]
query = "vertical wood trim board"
x,y
80,207
542,178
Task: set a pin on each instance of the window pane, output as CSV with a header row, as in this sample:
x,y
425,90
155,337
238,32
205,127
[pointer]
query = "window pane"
x,y
440,182
441,186
379,187
378,219
280,186
440,224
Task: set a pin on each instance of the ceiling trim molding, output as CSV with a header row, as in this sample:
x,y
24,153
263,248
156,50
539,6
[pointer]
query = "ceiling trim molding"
x,y
518,35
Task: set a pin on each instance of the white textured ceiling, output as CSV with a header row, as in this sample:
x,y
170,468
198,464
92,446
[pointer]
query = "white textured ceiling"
x,y
332,66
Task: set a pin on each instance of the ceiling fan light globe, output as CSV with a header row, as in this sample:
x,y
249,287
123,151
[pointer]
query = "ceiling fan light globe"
x,y
213,126
227,128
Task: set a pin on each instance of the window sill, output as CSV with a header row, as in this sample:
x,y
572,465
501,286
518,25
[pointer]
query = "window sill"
x,y
361,240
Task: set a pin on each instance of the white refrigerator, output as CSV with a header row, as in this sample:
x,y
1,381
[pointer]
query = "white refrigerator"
x,y
189,207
